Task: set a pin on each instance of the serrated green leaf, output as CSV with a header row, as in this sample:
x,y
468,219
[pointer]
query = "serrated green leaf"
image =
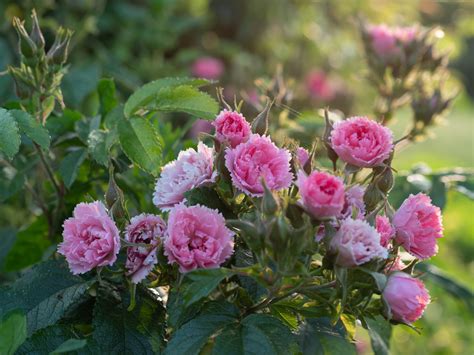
x,y
380,331
141,143
107,97
12,332
146,94
29,126
97,146
185,99
70,345
70,166
202,282
9,134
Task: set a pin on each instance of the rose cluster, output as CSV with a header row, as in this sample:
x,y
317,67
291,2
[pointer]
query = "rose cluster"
x,y
350,231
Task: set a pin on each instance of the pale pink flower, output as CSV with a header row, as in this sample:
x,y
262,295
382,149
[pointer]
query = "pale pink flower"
x,y
385,229
232,127
418,225
208,68
406,296
91,238
361,142
384,41
356,243
192,169
143,229
197,238
255,159
302,155
322,194
354,203
319,86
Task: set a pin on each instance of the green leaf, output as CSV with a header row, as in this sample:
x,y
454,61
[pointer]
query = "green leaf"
x,y
45,294
178,313
7,239
146,94
97,146
319,336
141,143
9,134
118,331
380,331
380,279
70,345
70,165
107,97
207,196
202,283
186,99
29,126
12,332
191,337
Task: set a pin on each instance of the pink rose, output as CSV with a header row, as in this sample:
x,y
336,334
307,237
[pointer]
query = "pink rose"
x,y
385,229
406,296
302,155
406,35
356,242
197,238
384,42
255,159
143,229
191,169
361,142
322,194
354,203
319,86
91,238
418,225
232,127
208,68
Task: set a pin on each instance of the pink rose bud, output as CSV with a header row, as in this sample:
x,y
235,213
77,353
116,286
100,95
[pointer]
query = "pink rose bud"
x,y
385,229
406,296
384,42
418,224
192,169
302,155
319,86
255,159
91,238
208,68
322,194
356,243
354,203
361,142
232,127
197,238
143,229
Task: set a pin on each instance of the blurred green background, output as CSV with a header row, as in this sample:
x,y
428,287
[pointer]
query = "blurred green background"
x,y
135,41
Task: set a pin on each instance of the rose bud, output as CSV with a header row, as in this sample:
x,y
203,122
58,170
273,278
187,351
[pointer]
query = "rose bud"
x,y
406,296
231,127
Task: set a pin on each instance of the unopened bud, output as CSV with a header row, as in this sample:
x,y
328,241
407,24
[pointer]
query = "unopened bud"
x,y
26,46
59,51
36,35
327,140
385,180
22,89
260,123
372,197
269,201
114,193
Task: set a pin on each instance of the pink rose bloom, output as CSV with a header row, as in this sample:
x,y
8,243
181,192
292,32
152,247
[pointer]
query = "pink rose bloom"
x,y
208,68
302,155
255,159
322,194
385,229
361,142
418,225
356,243
232,127
192,169
354,203
197,238
319,86
143,229
91,238
384,41
406,296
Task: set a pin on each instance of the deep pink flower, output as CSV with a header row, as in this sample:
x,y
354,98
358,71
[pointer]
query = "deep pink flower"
x,y
418,224
197,238
322,194
406,296
91,238
302,155
232,127
356,242
143,229
384,41
191,169
385,229
255,159
354,205
319,86
361,142
208,68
